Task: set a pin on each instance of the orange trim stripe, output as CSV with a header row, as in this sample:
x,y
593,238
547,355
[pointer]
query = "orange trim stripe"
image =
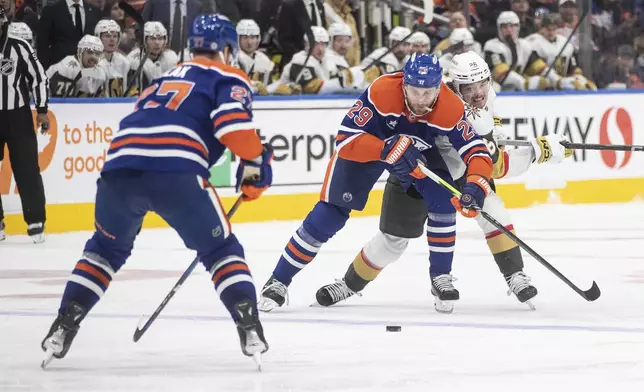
x,y
230,268
442,240
231,116
298,254
327,177
474,150
154,141
208,187
94,272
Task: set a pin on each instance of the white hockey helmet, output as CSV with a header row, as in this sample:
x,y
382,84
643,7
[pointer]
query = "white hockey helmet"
x,y
247,27
468,67
419,38
338,29
91,43
398,33
154,29
461,35
106,26
507,17
319,34
21,30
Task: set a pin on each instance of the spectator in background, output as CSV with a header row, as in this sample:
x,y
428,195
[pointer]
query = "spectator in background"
x,y
117,15
61,27
339,11
171,13
100,4
294,22
539,14
522,9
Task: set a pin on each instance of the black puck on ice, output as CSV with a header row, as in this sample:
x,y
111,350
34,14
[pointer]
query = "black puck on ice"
x,y
394,328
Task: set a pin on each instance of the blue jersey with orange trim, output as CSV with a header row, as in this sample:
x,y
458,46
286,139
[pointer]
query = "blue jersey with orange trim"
x,y
382,112
181,121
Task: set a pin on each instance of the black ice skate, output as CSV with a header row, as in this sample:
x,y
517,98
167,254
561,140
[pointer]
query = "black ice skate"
x,y
62,332
444,292
519,285
274,294
333,293
251,333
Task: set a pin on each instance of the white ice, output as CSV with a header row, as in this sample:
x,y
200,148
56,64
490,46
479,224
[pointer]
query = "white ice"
x,y
490,343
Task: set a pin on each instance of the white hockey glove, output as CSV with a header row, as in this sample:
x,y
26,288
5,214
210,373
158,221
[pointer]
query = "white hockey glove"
x,y
549,149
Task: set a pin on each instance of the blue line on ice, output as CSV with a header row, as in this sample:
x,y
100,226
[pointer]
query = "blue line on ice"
x,y
408,323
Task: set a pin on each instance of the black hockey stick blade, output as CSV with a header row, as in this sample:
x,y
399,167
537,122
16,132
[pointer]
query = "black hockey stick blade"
x,y
141,329
592,293
132,13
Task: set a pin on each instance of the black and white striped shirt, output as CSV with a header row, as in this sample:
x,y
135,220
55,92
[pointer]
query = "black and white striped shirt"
x,y
20,74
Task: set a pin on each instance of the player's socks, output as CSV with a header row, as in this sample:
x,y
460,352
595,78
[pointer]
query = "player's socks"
x,y
234,284
89,280
298,253
441,238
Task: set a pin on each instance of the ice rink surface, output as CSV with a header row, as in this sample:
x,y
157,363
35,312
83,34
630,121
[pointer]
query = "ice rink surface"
x,y
490,343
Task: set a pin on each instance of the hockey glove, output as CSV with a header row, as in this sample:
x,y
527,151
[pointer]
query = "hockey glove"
x,y
473,196
256,175
401,155
549,149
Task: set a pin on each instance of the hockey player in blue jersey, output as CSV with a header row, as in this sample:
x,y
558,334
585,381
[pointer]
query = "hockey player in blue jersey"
x,y
158,161
395,123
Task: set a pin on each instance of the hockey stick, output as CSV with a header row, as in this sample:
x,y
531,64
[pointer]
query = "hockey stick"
x,y
589,295
143,54
576,146
140,330
311,38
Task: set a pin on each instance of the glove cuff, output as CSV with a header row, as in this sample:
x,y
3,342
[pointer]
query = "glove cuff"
x,y
481,182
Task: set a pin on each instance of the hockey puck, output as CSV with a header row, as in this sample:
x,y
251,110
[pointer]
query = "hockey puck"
x,y
394,328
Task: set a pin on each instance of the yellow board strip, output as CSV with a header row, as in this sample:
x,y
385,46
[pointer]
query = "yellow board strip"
x,y
74,217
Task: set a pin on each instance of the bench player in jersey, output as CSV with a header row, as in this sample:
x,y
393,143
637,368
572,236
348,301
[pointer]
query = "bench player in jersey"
x,y
158,161
566,74
403,212
115,65
395,123
79,75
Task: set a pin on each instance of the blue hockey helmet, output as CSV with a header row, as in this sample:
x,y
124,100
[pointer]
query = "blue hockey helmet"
x,y
212,33
423,70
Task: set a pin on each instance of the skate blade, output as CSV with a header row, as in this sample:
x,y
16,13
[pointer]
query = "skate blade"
x,y
530,305
49,356
266,305
444,307
257,357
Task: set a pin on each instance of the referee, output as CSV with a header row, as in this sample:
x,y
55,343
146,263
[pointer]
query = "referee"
x,y
20,73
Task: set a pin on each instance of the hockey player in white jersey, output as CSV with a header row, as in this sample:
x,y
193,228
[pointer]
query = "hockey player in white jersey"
x,y
513,62
160,58
256,64
115,65
80,75
403,213
343,78
21,30
566,75
394,60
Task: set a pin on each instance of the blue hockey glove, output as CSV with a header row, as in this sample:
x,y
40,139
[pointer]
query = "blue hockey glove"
x,y
473,196
402,156
256,175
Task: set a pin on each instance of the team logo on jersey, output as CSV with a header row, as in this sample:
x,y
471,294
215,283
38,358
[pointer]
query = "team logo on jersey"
x,y
347,197
423,70
419,143
392,124
7,66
